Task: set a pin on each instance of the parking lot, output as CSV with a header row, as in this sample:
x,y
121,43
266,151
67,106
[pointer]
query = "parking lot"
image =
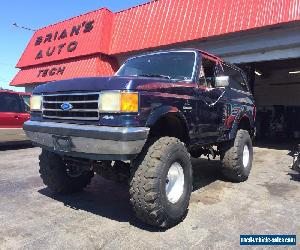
x,y
31,217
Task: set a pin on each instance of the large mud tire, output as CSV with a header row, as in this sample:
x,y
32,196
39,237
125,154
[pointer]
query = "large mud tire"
x,y
150,193
54,175
237,157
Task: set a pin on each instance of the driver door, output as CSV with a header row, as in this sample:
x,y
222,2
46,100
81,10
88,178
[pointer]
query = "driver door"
x,y
210,101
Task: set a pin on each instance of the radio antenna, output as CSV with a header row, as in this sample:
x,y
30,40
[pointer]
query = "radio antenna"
x,y
22,27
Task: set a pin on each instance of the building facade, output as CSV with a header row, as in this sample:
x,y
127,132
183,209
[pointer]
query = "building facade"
x,y
96,43
261,36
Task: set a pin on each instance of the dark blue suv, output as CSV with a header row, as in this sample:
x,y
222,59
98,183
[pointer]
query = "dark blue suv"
x,y
143,125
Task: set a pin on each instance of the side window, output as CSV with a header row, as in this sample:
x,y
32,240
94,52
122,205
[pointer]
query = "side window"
x,y
209,70
236,80
10,103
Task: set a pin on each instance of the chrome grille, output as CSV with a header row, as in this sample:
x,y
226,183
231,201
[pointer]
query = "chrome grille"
x,y
84,106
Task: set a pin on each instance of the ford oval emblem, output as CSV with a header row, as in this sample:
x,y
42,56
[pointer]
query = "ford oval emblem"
x,y
66,106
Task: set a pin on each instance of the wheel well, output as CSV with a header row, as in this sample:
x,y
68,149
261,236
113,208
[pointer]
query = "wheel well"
x,y
245,124
170,125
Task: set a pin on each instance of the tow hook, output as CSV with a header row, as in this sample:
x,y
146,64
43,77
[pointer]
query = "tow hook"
x,y
211,152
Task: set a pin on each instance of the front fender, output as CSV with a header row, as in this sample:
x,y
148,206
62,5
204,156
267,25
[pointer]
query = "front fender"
x,y
162,111
172,114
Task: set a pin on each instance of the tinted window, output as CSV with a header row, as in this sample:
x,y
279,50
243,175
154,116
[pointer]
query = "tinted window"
x,y
236,80
209,71
10,103
174,65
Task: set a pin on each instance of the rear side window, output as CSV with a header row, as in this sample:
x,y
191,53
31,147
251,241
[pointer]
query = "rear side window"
x,y
10,103
236,79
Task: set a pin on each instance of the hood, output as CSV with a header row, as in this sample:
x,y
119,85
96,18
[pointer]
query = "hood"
x,y
95,84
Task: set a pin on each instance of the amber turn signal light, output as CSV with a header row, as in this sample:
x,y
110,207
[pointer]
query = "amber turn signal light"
x,y
129,102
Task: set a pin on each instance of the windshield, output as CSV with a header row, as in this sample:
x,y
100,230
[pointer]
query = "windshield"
x,y
170,65
26,99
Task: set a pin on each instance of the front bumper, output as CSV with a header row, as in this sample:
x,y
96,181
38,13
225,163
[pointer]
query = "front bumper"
x,y
89,141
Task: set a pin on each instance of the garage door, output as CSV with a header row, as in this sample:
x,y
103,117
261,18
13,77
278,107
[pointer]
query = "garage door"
x,y
277,83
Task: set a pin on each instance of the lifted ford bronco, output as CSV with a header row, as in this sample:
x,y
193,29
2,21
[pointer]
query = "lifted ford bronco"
x,y
143,125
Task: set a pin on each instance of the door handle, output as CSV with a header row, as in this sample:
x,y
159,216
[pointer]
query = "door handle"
x,y
17,117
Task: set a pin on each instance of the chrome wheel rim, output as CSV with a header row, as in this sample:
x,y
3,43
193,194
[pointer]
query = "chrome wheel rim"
x,y
175,182
246,156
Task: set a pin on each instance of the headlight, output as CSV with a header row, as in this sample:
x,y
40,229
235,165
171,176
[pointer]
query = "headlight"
x,y
117,101
36,103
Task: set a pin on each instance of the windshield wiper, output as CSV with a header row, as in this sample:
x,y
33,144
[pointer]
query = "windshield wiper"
x,y
156,75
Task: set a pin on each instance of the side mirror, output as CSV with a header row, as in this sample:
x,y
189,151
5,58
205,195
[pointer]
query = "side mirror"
x,y
222,81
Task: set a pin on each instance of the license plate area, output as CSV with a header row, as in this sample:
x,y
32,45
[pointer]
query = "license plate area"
x,y
62,143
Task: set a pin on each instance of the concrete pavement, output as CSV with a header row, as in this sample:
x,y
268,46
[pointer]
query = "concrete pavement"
x,y
31,217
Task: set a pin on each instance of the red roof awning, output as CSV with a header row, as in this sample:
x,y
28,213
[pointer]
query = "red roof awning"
x,y
79,36
95,66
